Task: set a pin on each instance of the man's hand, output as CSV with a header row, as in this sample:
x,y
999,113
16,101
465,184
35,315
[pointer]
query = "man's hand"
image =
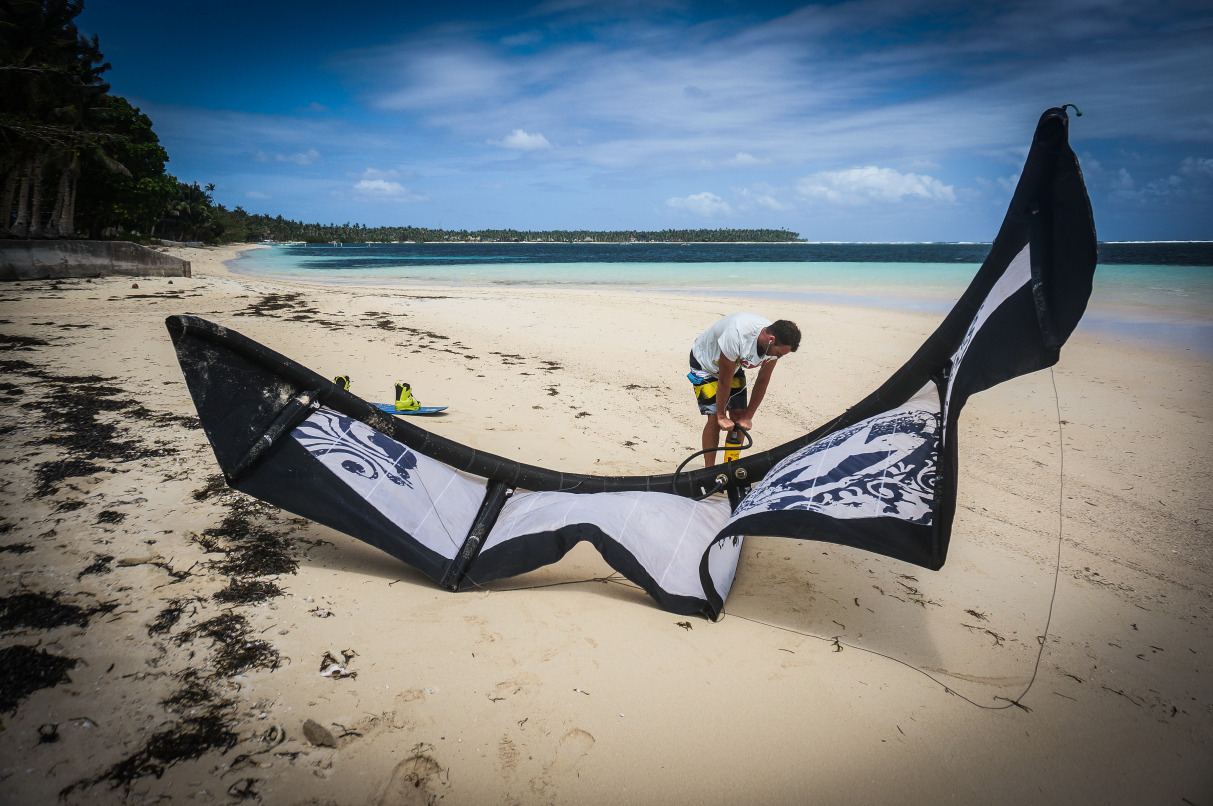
x,y
746,421
724,390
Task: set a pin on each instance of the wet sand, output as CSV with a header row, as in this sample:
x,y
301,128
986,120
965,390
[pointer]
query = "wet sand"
x,y
164,638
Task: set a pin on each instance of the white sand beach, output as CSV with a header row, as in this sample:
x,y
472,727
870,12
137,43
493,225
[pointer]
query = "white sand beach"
x,y
200,622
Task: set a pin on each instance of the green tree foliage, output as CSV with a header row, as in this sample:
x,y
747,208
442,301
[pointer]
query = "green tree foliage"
x,y
109,201
50,125
192,215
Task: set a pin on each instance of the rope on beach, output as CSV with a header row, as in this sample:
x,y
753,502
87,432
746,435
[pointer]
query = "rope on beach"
x,y
1041,639
839,644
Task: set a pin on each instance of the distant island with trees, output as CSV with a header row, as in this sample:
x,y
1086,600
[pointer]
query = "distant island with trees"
x,y
79,162
251,227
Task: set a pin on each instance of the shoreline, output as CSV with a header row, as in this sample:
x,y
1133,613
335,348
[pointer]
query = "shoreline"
x,y
1186,329
202,615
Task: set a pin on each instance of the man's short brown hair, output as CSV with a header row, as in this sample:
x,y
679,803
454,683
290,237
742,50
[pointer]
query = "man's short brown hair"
x,y
786,333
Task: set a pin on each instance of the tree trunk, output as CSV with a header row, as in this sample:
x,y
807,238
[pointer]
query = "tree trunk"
x,y
54,227
67,227
7,199
35,218
21,224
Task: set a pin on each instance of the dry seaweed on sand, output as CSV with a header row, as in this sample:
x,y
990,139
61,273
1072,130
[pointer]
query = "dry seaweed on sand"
x,y
214,486
26,669
110,516
68,409
168,617
235,651
250,548
189,739
30,610
101,565
49,475
248,591
83,425
10,342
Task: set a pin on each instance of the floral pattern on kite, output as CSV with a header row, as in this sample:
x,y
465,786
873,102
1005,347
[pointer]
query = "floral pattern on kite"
x,y
884,466
358,450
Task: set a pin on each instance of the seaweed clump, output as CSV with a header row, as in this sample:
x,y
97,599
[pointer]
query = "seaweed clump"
x,y
38,611
250,549
101,565
189,739
111,516
248,591
236,651
26,669
70,407
167,618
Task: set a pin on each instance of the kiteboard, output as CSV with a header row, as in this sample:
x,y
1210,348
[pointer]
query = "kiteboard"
x,y
390,408
403,390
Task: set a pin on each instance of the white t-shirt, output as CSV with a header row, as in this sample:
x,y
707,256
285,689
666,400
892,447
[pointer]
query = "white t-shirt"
x,y
736,336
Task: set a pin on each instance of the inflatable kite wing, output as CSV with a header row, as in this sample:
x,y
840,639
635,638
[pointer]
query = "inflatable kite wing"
x,y
880,477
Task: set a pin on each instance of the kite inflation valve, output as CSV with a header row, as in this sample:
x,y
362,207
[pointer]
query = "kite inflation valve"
x,y
733,443
343,381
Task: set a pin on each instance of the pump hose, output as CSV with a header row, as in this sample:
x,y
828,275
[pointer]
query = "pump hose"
x,y
722,481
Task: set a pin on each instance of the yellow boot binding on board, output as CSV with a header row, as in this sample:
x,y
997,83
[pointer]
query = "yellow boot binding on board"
x,y
404,398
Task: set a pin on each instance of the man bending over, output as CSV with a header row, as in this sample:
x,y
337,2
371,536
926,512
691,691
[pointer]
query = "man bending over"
x,y
738,342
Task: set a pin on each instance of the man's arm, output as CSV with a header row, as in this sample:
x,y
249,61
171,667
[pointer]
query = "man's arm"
x,y
746,420
724,389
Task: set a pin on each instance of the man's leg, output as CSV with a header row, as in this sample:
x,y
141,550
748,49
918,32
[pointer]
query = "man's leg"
x,y
711,439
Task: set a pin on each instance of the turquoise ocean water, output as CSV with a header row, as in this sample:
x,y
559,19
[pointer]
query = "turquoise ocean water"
x,y
1153,292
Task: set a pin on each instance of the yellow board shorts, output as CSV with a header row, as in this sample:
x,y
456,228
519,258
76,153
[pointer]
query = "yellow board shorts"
x,y
705,391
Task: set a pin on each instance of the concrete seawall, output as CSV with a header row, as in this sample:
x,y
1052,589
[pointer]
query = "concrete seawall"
x,y
41,260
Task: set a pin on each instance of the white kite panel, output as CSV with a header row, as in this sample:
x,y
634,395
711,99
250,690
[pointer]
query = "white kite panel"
x,y
667,534
429,500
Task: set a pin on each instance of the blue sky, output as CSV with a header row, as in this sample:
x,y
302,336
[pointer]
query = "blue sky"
x,y
867,120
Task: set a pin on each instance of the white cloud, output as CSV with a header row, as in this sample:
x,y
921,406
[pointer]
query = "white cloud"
x,y
1162,187
744,160
520,140
1009,183
257,195
302,158
381,186
872,184
762,196
523,39
375,173
386,190
702,204
1195,167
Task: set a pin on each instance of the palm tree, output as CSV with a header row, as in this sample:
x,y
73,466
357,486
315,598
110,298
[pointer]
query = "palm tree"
x,y
191,209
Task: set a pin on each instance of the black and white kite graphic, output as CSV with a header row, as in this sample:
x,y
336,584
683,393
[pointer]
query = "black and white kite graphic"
x,y
880,477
